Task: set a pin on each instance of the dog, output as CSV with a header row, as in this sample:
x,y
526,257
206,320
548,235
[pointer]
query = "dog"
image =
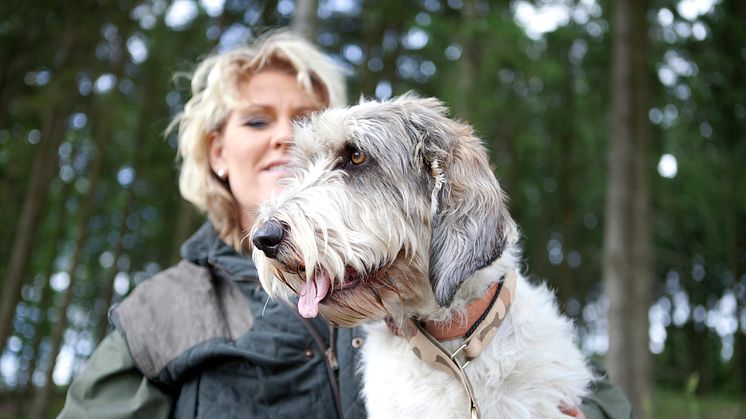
x,y
393,218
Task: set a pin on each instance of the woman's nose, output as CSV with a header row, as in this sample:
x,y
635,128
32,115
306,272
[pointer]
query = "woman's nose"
x,y
284,134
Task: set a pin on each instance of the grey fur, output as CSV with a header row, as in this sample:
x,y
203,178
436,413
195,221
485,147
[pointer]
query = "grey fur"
x,y
472,226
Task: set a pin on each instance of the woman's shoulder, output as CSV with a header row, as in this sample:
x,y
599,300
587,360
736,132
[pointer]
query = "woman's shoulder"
x,y
177,309
183,289
183,278
110,385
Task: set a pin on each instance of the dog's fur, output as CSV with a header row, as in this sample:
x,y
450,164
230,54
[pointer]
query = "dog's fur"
x,y
419,229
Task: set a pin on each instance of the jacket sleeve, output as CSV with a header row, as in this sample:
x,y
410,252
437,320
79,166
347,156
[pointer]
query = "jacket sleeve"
x,y
606,401
111,387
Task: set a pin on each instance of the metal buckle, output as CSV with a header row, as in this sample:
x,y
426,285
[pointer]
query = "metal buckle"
x,y
455,354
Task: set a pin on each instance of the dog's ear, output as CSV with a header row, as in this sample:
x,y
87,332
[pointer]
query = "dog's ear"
x,y
471,225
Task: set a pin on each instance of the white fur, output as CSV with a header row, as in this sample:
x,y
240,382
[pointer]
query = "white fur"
x,y
527,371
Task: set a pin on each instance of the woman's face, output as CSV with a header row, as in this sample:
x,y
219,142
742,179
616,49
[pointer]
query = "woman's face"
x,y
252,149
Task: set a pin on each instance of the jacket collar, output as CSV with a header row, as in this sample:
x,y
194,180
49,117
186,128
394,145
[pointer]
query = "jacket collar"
x,y
206,248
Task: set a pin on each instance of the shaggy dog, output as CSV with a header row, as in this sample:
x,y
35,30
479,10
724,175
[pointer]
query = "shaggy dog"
x,y
394,218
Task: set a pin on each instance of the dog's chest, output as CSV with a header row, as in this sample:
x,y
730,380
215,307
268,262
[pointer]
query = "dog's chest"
x,y
398,384
527,371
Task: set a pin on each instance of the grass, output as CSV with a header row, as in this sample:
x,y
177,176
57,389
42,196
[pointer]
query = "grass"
x,y
669,404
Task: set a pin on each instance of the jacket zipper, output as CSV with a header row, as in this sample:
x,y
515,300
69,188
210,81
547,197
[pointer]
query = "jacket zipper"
x,y
329,352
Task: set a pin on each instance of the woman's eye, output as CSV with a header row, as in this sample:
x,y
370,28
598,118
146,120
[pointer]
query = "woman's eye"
x,y
358,157
256,123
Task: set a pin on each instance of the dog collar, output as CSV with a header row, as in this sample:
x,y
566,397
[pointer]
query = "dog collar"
x,y
465,325
429,349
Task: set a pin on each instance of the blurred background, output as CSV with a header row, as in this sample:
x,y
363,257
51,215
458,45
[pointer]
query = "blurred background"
x,y
617,129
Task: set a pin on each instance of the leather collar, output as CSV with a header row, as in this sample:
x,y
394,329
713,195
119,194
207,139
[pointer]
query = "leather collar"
x,y
461,327
480,332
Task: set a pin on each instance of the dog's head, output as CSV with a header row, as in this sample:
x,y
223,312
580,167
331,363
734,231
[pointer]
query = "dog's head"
x,y
391,205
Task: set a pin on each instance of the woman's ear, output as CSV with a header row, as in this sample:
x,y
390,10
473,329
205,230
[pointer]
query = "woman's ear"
x,y
215,153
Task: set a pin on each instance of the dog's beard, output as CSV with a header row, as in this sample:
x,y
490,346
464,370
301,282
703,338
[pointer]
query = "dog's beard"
x,y
347,262
373,296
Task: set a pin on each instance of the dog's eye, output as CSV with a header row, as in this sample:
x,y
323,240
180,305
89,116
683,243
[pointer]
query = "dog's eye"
x,y
358,157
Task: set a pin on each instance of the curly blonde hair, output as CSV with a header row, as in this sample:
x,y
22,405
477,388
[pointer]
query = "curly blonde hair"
x,y
215,94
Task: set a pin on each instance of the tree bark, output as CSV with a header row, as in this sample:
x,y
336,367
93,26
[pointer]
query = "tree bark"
x,y
42,397
642,247
734,244
733,203
305,19
25,376
627,245
10,78
42,173
468,62
186,222
12,176
107,294
10,83
566,284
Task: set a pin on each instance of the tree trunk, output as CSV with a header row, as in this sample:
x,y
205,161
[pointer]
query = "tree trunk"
x,y
734,240
733,203
467,63
734,245
142,135
12,175
372,32
739,362
305,18
642,247
43,171
186,222
42,397
565,283
45,302
107,294
10,82
627,245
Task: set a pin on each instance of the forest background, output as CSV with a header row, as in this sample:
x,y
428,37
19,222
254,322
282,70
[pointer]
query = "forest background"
x,y
616,127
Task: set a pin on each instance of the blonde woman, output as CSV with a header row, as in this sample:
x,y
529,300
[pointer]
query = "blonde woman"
x,y
201,339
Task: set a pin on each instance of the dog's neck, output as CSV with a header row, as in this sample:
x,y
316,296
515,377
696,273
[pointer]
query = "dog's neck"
x,y
465,321
426,339
472,290
480,297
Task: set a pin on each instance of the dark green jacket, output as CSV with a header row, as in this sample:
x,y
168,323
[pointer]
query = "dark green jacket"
x,y
202,340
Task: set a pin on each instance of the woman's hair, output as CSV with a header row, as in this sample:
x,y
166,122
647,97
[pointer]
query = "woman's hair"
x,y
215,93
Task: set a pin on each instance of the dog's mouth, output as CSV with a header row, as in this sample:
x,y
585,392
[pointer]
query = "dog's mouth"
x,y
314,292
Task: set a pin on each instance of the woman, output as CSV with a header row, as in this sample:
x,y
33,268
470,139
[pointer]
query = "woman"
x,y
201,339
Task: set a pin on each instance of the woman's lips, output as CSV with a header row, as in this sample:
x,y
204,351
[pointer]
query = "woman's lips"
x,y
278,166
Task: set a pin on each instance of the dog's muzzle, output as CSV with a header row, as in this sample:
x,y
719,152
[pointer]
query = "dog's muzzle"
x,y
268,237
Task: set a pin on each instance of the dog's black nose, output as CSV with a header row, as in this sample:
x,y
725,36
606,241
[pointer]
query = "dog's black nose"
x,y
267,238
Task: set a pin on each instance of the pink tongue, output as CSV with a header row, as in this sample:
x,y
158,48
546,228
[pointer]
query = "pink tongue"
x,y
310,296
